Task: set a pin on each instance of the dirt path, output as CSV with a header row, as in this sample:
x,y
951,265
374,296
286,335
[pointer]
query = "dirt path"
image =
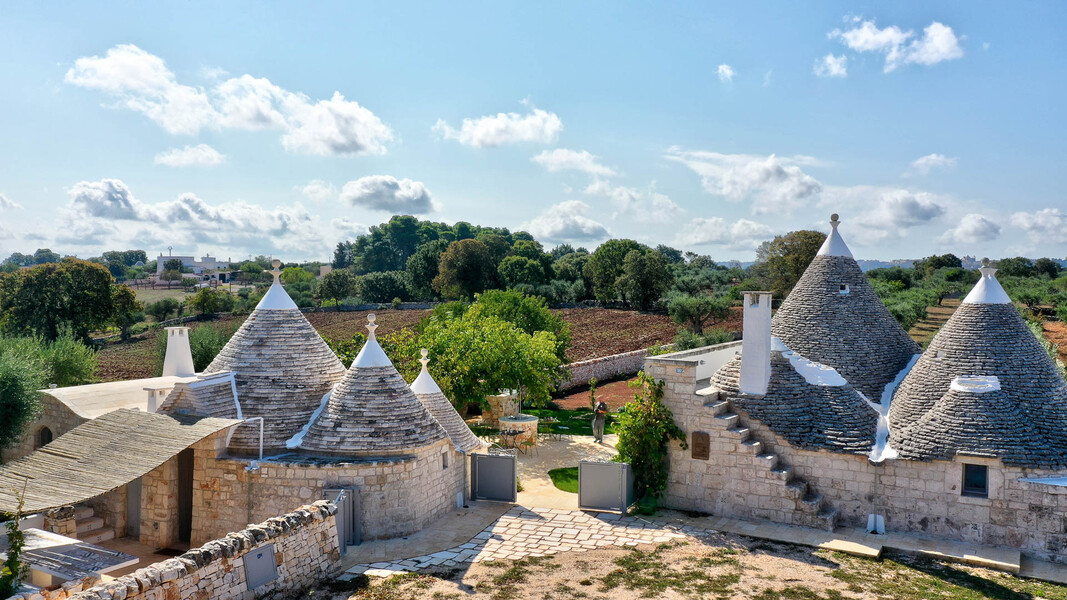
x,y
1056,332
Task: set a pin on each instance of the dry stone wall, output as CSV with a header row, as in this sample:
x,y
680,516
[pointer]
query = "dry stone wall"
x,y
305,550
398,495
605,367
912,495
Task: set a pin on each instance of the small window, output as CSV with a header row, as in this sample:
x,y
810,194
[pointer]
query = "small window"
x,y
976,481
843,289
44,437
444,460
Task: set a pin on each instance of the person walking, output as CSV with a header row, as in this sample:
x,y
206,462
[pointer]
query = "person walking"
x,y
600,413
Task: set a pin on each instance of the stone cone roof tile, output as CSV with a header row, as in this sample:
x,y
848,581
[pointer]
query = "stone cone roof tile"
x,y
372,411
210,396
808,416
282,368
431,396
977,423
986,340
852,332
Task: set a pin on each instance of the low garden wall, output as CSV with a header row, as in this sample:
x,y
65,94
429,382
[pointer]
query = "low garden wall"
x,y
304,552
605,367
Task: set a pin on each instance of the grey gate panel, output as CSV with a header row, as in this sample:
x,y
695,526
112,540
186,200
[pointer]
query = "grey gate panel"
x,y
261,567
349,529
493,476
605,486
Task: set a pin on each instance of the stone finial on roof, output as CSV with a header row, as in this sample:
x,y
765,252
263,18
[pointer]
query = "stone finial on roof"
x,y
277,270
834,245
371,355
988,290
424,383
276,297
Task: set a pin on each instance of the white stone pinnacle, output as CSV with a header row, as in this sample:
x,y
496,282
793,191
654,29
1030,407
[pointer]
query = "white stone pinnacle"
x,y
371,355
834,245
988,290
424,383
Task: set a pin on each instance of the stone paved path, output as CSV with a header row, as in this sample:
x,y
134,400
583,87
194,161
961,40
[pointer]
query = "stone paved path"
x,y
524,532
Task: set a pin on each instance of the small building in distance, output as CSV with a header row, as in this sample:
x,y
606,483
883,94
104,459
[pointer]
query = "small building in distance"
x,y
206,263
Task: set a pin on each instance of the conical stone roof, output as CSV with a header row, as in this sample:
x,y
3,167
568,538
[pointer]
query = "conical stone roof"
x,y
986,337
282,368
834,317
431,396
828,415
976,417
372,411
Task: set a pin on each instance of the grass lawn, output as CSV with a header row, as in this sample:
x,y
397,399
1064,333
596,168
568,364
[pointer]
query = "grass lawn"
x,y
565,478
148,295
570,422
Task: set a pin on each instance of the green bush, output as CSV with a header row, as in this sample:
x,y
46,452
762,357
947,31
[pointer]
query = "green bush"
x,y
22,373
646,427
687,340
205,341
69,361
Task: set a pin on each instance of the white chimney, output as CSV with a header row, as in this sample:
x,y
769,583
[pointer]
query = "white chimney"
x,y
179,359
756,344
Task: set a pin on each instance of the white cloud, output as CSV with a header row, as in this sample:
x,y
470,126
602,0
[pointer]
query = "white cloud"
x,y
107,198
563,159
634,204
318,191
200,155
739,235
6,234
141,82
566,222
8,204
490,131
726,73
884,212
772,183
347,228
924,164
831,66
938,43
973,228
1046,225
389,194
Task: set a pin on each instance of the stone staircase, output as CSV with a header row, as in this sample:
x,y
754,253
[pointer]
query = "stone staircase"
x,y
90,527
811,509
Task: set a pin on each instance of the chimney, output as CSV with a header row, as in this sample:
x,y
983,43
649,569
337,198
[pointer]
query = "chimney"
x,y
756,344
179,359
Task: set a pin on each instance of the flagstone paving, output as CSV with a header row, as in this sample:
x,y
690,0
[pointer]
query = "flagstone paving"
x,y
525,532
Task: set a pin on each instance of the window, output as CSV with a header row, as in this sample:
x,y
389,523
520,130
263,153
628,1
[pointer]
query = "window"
x,y
44,437
843,289
976,481
444,460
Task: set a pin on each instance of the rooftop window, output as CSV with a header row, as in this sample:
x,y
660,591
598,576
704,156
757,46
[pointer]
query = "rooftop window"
x,y
976,481
843,289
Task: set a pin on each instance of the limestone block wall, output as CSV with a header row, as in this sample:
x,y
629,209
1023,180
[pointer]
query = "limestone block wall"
x,y
54,415
305,550
398,496
112,508
159,505
605,367
913,496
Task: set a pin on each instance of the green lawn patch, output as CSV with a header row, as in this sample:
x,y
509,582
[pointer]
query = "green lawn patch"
x,y
565,478
570,422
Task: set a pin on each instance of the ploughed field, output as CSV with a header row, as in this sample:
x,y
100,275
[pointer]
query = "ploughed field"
x,y
595,332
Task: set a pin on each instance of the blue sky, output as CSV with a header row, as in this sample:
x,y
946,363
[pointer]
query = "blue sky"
x,y
282,128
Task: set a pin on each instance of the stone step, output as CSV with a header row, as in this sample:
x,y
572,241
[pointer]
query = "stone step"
x,y
710,395
738,433
97,535
827,518
811,502
751,446
726,420
796,489
88,524
767,461
718,407
782,473
83,512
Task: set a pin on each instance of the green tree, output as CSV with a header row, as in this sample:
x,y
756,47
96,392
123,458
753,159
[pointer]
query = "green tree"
x,y
927,266
206,340
466,269
515,270
338,285
671,255
22,373
210,301
291,275
383,286
44,300
174,264
1020,266
1047,267
645,278
44,255
422,268
474,356
692,310
126,309
161,308
784,259
605,266
528,313
645,428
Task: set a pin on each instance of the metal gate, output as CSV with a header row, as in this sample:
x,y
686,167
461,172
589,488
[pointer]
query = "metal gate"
x,y
348,525
605,486
494,476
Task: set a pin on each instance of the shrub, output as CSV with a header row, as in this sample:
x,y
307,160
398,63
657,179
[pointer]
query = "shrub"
x,y
645,427
687,340
68,361
205,342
